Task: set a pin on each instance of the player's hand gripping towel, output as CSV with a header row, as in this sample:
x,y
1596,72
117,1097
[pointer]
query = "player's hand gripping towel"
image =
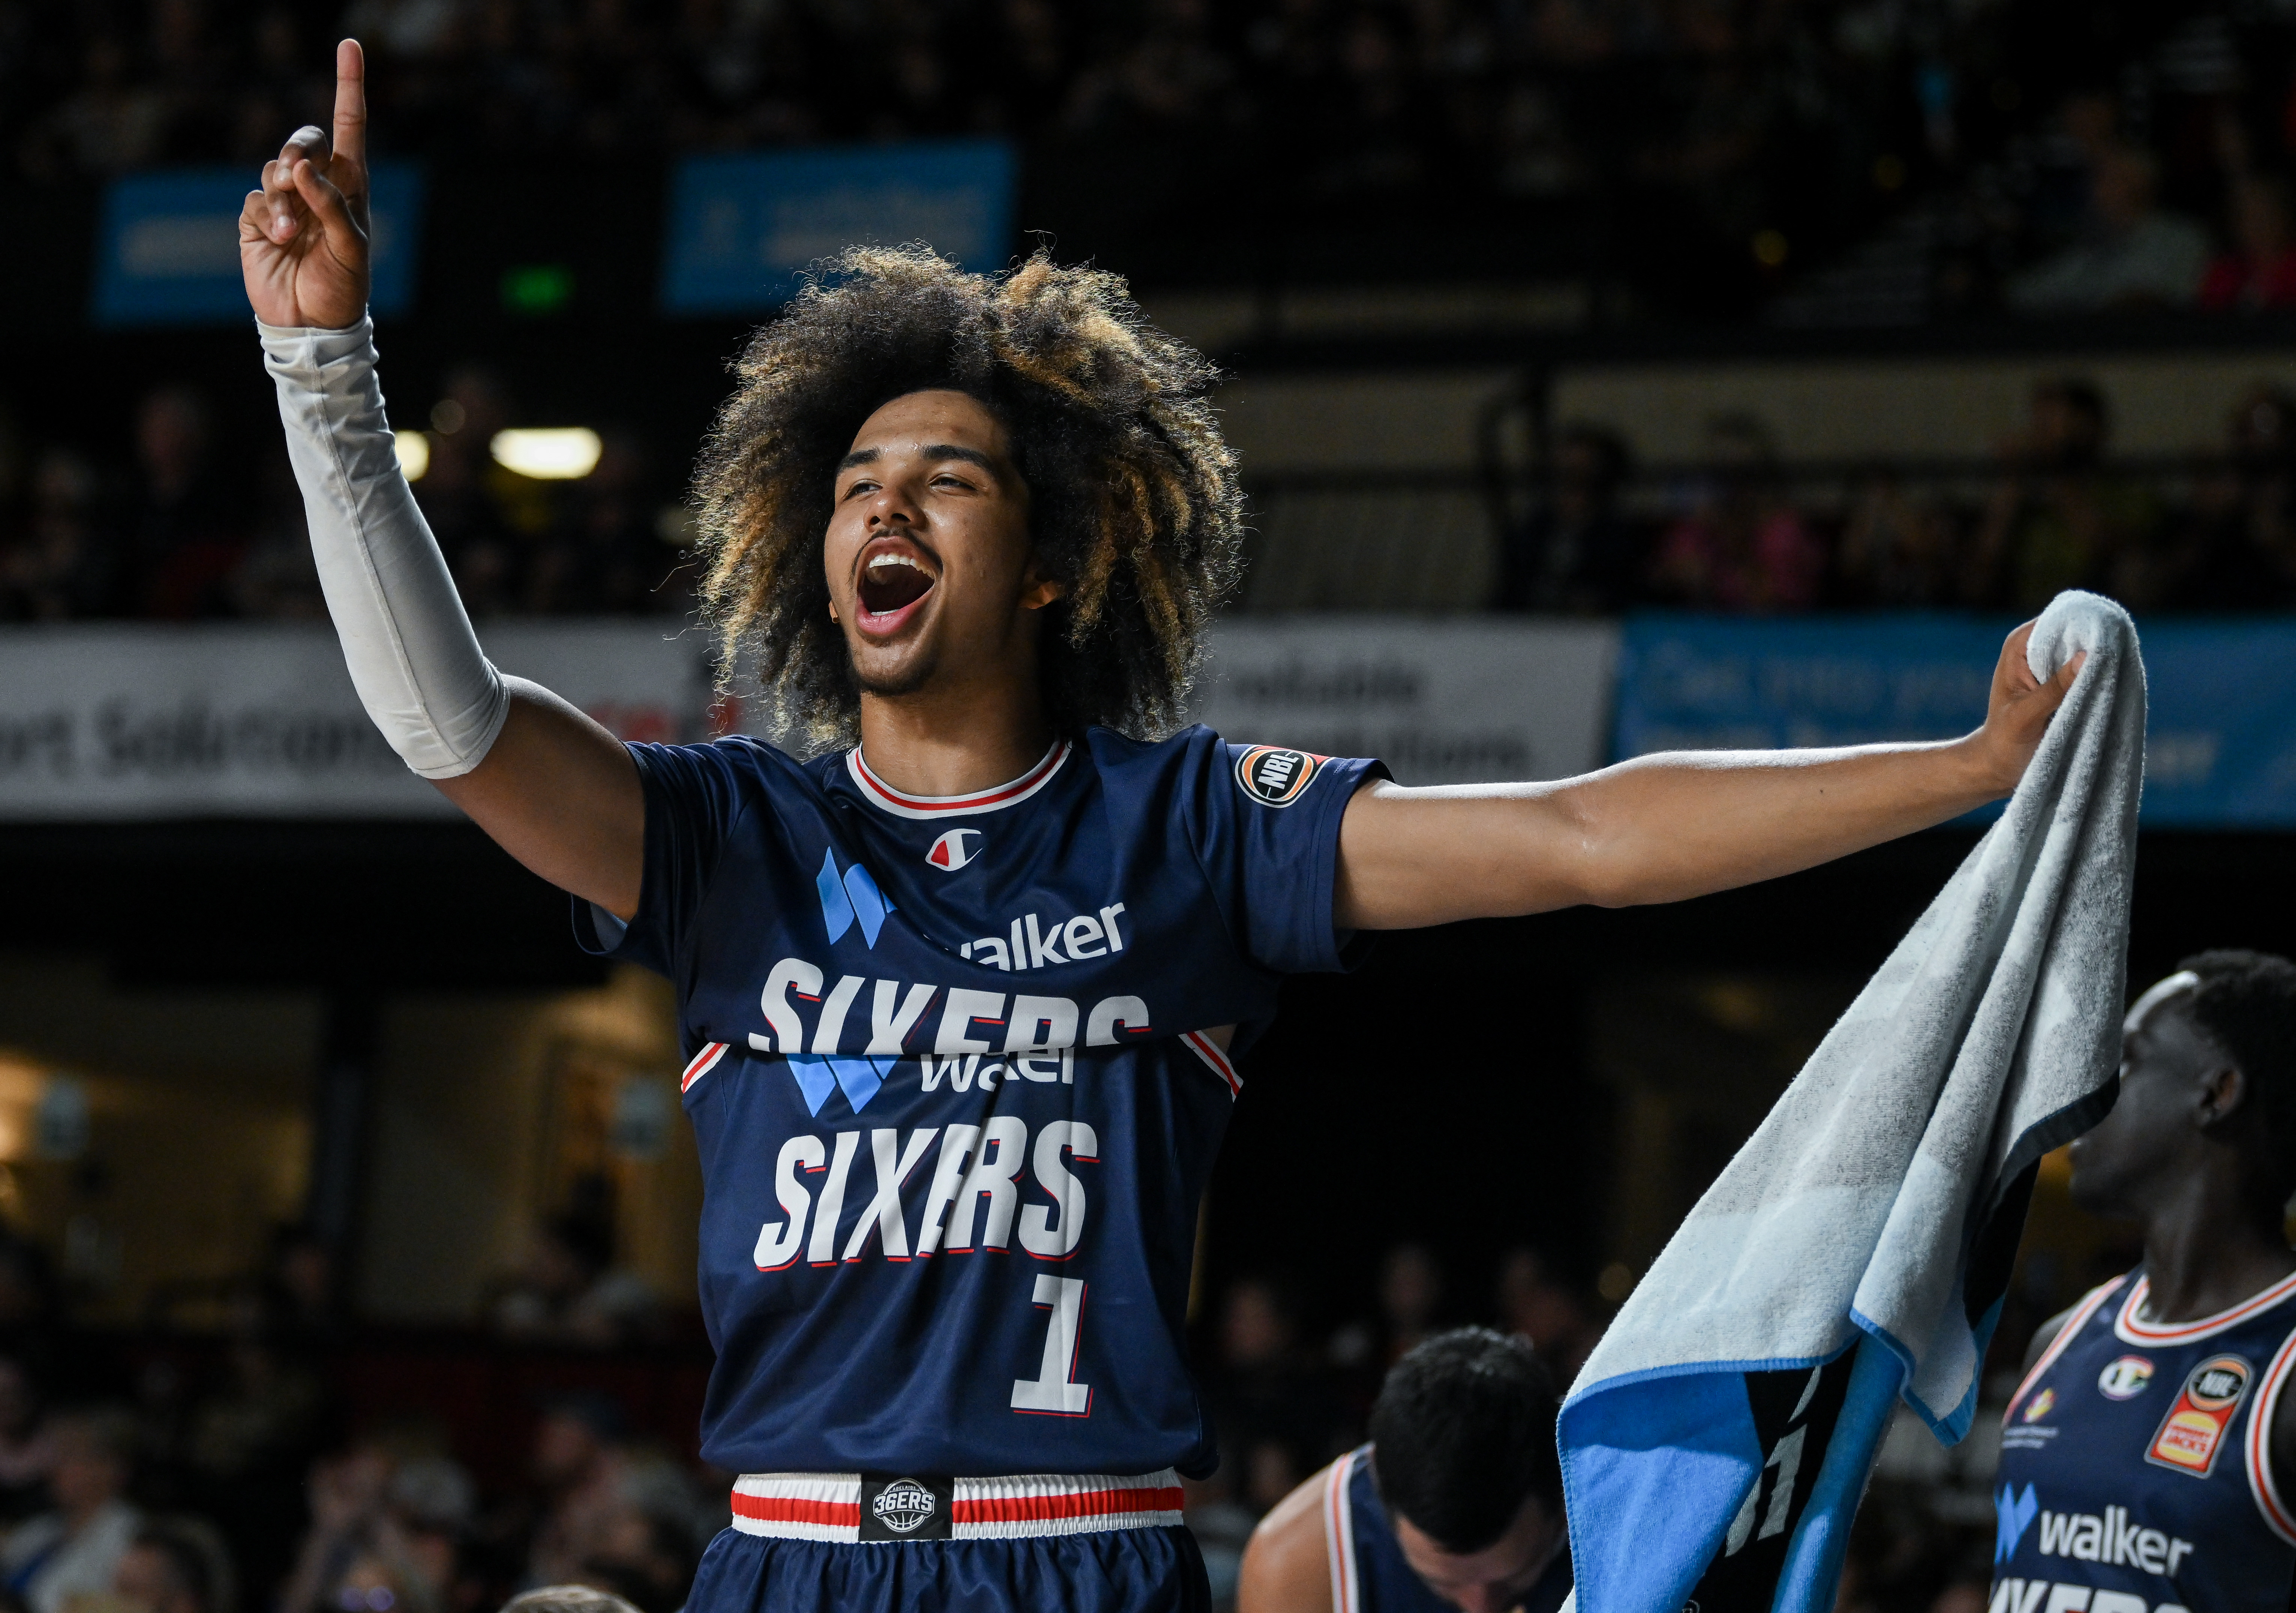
x,y
1856,1249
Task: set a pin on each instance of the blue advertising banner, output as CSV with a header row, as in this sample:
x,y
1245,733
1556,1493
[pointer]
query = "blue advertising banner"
x,y
2220,750
744,227
168,252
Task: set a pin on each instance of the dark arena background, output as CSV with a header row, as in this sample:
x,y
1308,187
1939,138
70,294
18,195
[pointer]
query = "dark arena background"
x,y
1609,376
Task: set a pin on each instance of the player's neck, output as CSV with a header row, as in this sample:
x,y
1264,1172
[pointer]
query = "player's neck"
x,y
2206,1250
954,740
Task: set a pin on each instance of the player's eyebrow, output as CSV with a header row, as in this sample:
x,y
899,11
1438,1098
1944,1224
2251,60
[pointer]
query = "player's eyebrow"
x,y
931,450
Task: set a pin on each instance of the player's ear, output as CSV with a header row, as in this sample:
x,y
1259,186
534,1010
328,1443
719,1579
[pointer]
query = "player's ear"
x,y
2223,1091
1038,592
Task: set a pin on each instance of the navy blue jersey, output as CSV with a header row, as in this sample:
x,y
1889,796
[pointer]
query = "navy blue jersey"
x,y
2135,1469
1369,1572
955,1102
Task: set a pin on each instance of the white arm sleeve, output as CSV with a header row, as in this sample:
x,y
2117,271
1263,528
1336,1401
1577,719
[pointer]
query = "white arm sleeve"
x,y
412,656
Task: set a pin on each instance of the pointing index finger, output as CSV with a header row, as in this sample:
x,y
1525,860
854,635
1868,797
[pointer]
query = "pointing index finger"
x,y
350,102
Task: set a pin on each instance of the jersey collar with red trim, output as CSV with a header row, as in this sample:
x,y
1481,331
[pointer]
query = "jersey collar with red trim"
x,y
2131,1328
926,808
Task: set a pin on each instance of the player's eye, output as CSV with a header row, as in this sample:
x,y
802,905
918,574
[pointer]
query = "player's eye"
x,y
863,485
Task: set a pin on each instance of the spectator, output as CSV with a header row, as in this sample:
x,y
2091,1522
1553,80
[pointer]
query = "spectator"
x,y
76,1550
2130,256
1742,546
176,1566
2260,270
182,541
580,1462
1900,550
387,1521
1275,1410
61,567
1575,554
1535,1304
27,1440
2057,518
2234,549
570,1291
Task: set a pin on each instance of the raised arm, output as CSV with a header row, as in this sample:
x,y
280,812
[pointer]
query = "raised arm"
x,y
552,787
1660,829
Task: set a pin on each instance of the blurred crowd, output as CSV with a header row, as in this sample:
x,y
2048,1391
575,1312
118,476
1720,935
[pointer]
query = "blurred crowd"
x,y
2052,510
2096,155
192,524
228,1471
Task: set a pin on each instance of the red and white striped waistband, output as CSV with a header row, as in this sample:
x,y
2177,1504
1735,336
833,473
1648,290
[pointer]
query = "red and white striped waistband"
x,y
827,1506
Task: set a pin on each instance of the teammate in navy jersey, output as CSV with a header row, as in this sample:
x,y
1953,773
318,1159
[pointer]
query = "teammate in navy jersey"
x,y
2148,1461
1456,1502
962,995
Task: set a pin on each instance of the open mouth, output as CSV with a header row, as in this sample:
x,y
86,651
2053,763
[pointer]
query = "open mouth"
x,y
892,581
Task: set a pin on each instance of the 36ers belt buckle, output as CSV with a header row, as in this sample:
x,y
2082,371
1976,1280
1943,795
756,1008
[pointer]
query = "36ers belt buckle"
x,y
902,1506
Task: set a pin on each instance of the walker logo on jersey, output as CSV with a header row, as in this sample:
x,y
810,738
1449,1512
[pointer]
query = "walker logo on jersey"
x,y
2194,1432
2042,1405
1274,777
2125,1379
2110,1537
2013,1515
849,900
954,848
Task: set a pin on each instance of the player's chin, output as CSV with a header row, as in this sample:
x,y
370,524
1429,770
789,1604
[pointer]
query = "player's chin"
x,y
886,669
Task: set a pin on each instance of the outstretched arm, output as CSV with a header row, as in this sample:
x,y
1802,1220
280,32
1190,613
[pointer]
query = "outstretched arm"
x,y
554,788
1660,829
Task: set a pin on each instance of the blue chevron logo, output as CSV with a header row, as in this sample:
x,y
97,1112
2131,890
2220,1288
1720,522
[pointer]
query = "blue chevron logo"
x,y
2012,1516
851,899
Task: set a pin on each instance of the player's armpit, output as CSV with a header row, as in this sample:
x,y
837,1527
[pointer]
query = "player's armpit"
x,y
561,794
1285,1567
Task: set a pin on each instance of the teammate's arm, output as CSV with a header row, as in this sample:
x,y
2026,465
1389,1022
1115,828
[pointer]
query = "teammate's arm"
x,y
556,790
1662,828
1285,1567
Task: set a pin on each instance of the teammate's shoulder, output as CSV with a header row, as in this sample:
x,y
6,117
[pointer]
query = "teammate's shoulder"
x,y
1285,1566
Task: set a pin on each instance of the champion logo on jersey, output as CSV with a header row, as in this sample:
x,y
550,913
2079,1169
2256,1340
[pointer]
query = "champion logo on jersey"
x,y
954,848
2125,1379
1273,776
850,899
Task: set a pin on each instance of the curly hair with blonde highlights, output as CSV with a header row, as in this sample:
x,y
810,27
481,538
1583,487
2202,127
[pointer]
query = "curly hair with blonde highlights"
x,y
1134,504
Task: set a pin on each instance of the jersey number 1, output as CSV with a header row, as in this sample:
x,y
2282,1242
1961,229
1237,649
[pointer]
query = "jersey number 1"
x,y
1053,1389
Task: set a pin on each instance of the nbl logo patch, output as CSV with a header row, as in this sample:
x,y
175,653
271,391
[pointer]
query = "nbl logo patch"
x,y
1275,776
2190,1436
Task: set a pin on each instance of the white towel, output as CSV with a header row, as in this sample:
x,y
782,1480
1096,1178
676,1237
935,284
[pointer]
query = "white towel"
x,y
1856,1249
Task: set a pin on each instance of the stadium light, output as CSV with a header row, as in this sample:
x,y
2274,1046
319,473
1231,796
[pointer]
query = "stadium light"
x,y
552,454
413,453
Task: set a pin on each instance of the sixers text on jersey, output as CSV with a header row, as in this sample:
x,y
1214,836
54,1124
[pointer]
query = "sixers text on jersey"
x,y
948,1223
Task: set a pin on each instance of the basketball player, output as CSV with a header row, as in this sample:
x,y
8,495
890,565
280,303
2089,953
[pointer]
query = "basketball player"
x,y
964,994
1455,1503
2146,1458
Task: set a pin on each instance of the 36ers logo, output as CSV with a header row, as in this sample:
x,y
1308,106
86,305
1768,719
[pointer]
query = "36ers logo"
x,y
1275,776
904,1506
954,848
2190,1436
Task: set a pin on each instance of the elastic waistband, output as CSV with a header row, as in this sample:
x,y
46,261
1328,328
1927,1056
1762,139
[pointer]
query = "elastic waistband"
x,y
872,1507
